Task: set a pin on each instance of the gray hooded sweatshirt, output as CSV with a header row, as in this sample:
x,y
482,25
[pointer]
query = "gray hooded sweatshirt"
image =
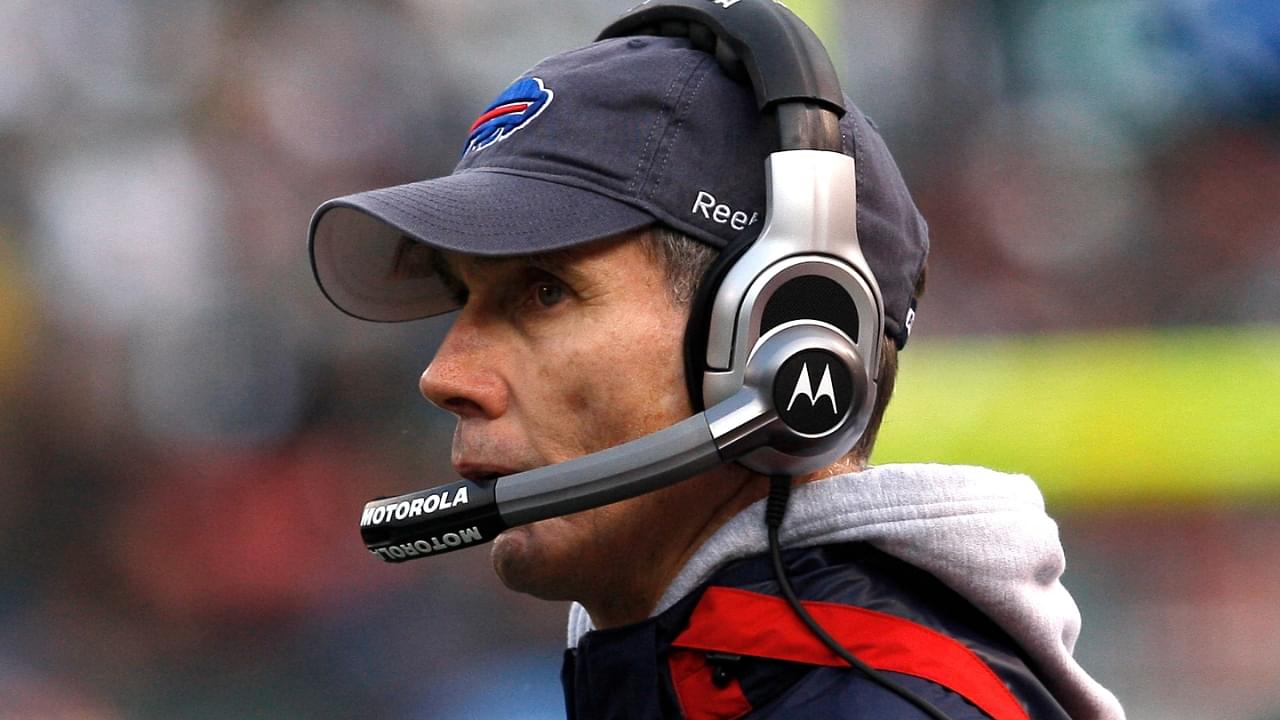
x,y
983,533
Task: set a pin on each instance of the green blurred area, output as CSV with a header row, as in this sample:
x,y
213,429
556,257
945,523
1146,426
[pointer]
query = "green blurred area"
x,y
819,15
1180,415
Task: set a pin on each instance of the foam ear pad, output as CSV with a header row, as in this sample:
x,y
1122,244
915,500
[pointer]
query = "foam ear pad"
x,y
811,297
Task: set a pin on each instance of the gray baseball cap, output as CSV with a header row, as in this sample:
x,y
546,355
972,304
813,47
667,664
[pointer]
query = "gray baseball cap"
x,y
592,143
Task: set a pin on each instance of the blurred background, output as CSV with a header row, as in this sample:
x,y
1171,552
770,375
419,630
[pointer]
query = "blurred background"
x,y
188,429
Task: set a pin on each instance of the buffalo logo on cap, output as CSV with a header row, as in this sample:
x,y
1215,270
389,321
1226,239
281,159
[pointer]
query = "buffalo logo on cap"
x,y
515,108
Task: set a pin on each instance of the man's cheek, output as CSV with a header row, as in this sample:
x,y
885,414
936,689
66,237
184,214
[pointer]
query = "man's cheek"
x,y
577,399
568,380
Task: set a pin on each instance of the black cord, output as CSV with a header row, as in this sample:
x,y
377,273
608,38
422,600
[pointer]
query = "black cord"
x,y
775,509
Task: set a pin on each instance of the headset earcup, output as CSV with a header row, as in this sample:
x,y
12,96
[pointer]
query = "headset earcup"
x,y
819,304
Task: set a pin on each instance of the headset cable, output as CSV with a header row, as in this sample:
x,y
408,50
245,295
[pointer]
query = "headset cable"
x,y
775,509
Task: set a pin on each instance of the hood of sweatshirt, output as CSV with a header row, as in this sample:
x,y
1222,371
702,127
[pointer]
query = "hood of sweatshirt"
x,y
983,533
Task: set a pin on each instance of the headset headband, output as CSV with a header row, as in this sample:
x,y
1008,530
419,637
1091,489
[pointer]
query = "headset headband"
x,y
790,70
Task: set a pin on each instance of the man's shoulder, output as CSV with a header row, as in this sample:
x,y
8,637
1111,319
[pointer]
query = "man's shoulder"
x,y
832,692
894,616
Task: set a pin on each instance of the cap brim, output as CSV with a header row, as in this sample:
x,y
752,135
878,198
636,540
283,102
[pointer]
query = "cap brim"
x,y
360,244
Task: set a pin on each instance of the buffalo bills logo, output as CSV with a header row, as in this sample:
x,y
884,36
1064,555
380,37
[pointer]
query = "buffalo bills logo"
x,y
515,108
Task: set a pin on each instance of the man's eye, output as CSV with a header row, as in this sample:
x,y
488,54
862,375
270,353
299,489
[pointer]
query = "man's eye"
x,y
549,293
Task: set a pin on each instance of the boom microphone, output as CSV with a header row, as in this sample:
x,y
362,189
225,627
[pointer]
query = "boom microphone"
x,y
465,513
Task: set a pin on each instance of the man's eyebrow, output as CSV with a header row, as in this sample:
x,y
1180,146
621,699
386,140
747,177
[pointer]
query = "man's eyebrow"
x,y
562,262
556,262
435,262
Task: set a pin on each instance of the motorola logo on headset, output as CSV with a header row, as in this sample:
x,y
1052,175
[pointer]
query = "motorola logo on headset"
x,y
804,388
808,408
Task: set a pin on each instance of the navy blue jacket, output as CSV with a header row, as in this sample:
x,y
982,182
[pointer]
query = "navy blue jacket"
x,y
732,649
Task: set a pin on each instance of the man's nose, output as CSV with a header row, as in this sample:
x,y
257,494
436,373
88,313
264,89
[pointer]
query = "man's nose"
x,y
462,378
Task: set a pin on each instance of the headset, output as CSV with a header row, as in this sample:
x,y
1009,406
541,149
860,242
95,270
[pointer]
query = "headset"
x,y
784,336
783,343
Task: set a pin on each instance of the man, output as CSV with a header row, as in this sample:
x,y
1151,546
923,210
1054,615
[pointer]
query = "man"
x,y
589,200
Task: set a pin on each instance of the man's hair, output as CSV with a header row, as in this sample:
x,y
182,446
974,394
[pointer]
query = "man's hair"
x,y
685,261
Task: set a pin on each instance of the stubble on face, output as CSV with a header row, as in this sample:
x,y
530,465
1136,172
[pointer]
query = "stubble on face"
x,y
604,369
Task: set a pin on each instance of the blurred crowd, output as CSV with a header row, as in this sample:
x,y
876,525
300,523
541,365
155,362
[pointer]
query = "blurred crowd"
x,y
187,427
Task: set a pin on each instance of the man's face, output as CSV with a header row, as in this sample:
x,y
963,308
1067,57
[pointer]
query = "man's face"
x,y
552,358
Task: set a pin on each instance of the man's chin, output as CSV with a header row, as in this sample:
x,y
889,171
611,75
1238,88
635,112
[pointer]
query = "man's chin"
x,y
526,562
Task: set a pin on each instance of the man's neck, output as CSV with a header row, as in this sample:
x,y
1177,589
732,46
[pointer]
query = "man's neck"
x,y
724,492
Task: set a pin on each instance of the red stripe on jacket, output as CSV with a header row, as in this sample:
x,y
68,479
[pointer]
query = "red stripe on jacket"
x,y
739,622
